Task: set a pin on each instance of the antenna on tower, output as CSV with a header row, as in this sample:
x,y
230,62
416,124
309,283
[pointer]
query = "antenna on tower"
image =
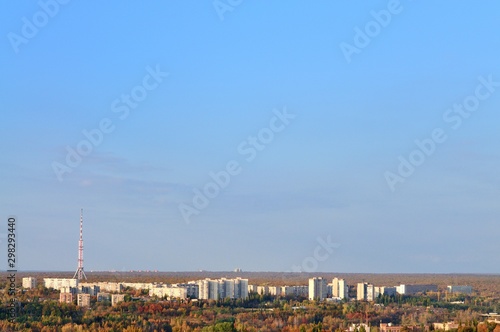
x,y
80,274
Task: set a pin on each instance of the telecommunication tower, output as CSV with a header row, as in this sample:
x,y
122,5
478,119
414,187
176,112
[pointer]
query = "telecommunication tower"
x,y
80,274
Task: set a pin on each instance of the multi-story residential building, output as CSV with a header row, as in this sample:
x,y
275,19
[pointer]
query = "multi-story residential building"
x,y
170,292
317,288
222,288
65,297
453,289
241,288
83,300
370,293
262,290
414,289
398,328
58,283
301,290
213,289
117,298
340,289
192,289
29,282
103,297
361,294
72,290
356,327
383,290
335,287
203,289
139,285
294,290
275,290
446,326
91,289
115,287
226,288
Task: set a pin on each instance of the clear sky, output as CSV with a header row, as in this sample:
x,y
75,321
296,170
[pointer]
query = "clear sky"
x,y
307,111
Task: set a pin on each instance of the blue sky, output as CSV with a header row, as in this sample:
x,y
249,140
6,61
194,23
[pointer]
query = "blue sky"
x,y
324,173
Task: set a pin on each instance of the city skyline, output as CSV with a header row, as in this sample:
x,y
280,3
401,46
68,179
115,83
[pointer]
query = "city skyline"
x,y
325,137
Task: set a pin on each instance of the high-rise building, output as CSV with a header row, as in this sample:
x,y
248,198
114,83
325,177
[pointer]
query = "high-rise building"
x,y
192,289
317,288
362,291
203,289
222,288
227,289
29,282
340,288
370,293
241,288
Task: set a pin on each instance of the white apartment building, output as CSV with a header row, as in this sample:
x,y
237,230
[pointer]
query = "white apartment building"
x,y
139,285
262,290
115,287
169,292
222,288
275,290
340,289
71,290
252,288
86,288
370,293
361,291
365,292
58,283
451,289
414,289
29,282
317,288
